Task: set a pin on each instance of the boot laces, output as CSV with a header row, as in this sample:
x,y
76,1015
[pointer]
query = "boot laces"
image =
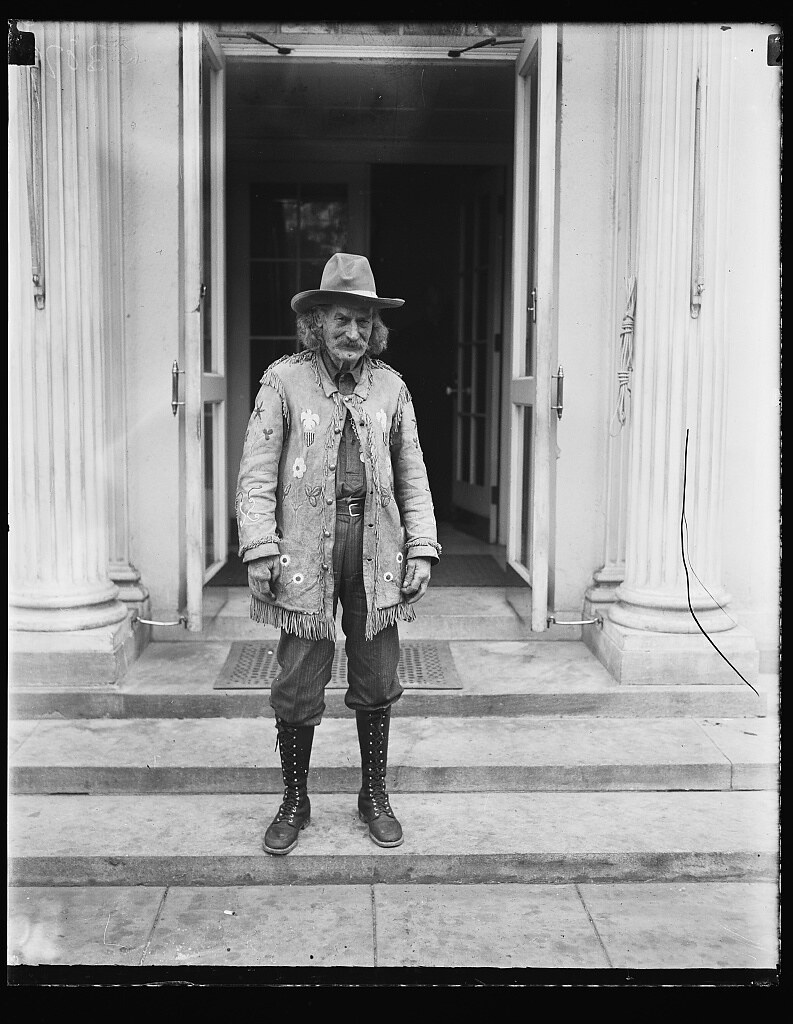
x,y
293,775
289,806
376,769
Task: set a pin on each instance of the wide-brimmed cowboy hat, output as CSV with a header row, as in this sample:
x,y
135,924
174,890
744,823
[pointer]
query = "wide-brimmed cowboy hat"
x,y
346,278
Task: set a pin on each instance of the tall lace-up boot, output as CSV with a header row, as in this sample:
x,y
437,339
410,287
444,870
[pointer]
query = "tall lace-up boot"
x,y
373,805
294,813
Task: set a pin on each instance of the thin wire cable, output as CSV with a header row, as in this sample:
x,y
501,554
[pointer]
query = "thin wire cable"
x,y
694,574
688,582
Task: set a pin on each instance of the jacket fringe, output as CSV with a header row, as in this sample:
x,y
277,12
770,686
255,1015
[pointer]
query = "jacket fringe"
x,y
380,364
380,618
302,624
402,400
272,380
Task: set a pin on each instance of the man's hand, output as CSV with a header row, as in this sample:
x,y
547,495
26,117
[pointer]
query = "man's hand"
x,y
417,579
262,574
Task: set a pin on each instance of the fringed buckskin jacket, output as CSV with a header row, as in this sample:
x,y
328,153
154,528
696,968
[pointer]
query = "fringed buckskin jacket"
x,y
286,491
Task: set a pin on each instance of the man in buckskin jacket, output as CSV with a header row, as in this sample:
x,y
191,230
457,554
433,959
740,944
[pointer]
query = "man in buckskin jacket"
x,y
333,504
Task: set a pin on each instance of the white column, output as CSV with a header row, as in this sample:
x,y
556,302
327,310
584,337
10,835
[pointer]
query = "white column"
x,y
58,552
122,572
679,370
611,573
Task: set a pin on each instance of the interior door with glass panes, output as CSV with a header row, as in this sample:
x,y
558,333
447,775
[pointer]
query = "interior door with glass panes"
x,y
533,302
285,221
477,356
296,224
204,341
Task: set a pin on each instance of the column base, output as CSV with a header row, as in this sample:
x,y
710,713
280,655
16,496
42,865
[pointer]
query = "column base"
x,y
130,589
77,659
604,585
638,656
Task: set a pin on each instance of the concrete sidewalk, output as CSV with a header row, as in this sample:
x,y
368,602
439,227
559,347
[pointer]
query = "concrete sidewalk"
x,y
660,926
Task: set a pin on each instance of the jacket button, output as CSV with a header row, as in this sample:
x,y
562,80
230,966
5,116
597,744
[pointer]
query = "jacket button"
x,y
361,423
337,430
371,526
329,500
333,466
326,532
324,565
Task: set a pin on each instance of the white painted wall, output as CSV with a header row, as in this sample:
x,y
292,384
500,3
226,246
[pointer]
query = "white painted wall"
x,y
752,462
585,208
151,142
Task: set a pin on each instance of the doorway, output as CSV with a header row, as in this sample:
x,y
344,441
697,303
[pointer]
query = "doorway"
x,y
431,239
380,106
434,237
393,159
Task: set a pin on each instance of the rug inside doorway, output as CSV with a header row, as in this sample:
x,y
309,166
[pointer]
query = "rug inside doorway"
x,y
423,665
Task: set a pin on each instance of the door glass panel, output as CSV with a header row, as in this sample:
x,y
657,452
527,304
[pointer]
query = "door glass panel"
x,y
533,200
477,296
483,232
271,289
465,379
525,497
479,427
468,304
295,228
210,555
468,235
480,379
464,473
481,284
207,100
274,221
323,220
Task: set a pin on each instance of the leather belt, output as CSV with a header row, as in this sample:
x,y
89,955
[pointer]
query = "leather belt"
x,y
352,507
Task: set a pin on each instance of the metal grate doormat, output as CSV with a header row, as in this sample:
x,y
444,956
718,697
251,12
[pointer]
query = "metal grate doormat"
x,y
451,571
423,665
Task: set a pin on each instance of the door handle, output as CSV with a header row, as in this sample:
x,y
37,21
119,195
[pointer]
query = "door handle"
x,y
175,371
453,391
559,378
533,307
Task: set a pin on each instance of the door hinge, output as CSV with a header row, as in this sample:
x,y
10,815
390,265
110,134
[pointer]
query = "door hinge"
x,y
175,371
559,378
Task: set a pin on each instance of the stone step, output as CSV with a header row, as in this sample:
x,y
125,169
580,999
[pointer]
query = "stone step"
x,y
426,754
178,840
610,702
496,677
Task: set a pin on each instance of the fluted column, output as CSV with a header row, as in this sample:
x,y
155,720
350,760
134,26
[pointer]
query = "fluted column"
x,y
58,552
679,379
649,634
122,572
611,573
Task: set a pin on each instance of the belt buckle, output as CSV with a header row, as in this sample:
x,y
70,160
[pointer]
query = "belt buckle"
x,y
358,503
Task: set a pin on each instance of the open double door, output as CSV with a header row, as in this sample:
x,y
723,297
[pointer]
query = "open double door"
x,y
527,347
